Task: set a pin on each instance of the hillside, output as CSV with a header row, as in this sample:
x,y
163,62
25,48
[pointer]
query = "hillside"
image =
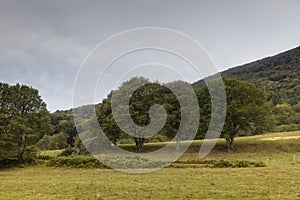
x,y
278,75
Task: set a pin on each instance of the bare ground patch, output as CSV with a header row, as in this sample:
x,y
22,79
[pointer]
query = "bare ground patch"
x,y
281,138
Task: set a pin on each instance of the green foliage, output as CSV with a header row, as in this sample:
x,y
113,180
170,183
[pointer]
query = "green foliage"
x,y
126,141
91,162
277,75
52,142
68,151
247,112
286,128
76,162
296,107
236,164
247,109
214,163
140,102
158,138
284,114
24,119
127,162
63,123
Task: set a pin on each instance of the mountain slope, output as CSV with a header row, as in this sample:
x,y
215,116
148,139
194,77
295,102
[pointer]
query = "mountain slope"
x,y
278,75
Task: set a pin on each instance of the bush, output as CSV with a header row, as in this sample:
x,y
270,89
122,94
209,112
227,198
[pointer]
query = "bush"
x,y
68,152
287,128
90,162
158,138
41,157
31,153
126,141
52,142
222,163
7,163
77,162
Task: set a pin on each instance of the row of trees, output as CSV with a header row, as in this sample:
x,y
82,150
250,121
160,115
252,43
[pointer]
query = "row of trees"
x,y
248,111
25,121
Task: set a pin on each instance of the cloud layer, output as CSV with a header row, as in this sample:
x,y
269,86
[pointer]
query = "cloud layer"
x,y
43,43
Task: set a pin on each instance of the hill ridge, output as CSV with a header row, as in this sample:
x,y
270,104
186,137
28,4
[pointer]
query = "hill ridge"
x,y
278,75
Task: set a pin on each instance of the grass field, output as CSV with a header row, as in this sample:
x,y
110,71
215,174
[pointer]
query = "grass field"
x,y
279,180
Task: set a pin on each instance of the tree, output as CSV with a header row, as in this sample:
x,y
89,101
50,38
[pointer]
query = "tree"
x,y
106,120
62,122
248,111
141,100
24,120
284,114
52,142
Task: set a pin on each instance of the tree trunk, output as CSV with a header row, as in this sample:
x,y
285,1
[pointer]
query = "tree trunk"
x,y
20,156
115,140
22,148
230,143
178,144
139,144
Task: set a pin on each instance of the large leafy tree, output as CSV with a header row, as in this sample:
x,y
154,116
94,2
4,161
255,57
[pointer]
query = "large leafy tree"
x,y
139,106
24,120
248,112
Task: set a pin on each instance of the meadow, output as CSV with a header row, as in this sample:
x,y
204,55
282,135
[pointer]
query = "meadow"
x,y
280,179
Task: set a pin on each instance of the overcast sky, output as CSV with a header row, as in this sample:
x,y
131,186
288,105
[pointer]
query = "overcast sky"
x,y
43,43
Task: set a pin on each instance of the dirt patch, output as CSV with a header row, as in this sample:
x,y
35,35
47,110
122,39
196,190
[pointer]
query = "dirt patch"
x,y
281,138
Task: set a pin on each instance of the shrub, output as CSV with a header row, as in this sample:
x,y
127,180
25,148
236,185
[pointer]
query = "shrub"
x,y
67,152
52,142
158,138
126,141
287,128
221,163
77,162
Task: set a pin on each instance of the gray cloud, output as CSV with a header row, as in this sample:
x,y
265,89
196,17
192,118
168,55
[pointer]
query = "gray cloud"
x,y
42,43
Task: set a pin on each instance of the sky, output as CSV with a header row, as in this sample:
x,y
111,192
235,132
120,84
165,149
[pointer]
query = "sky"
x,y
44,43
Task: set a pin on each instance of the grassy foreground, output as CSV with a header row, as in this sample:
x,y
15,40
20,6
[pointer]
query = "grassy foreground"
x,y
229,183
279,180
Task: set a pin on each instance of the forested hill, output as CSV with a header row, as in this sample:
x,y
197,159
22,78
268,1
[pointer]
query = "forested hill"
x,y
278,75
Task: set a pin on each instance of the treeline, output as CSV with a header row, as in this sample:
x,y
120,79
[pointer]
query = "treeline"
x,y
27,127
248,113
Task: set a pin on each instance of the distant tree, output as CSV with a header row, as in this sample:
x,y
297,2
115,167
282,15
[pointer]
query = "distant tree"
x,y
107,122
296,107
284,114
69,129
63,123
24,120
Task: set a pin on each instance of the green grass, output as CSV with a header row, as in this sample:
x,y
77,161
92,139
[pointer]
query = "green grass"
x,y
279,180
188,183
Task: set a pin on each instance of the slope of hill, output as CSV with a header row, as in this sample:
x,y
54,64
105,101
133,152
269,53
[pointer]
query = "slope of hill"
x,y
278,75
